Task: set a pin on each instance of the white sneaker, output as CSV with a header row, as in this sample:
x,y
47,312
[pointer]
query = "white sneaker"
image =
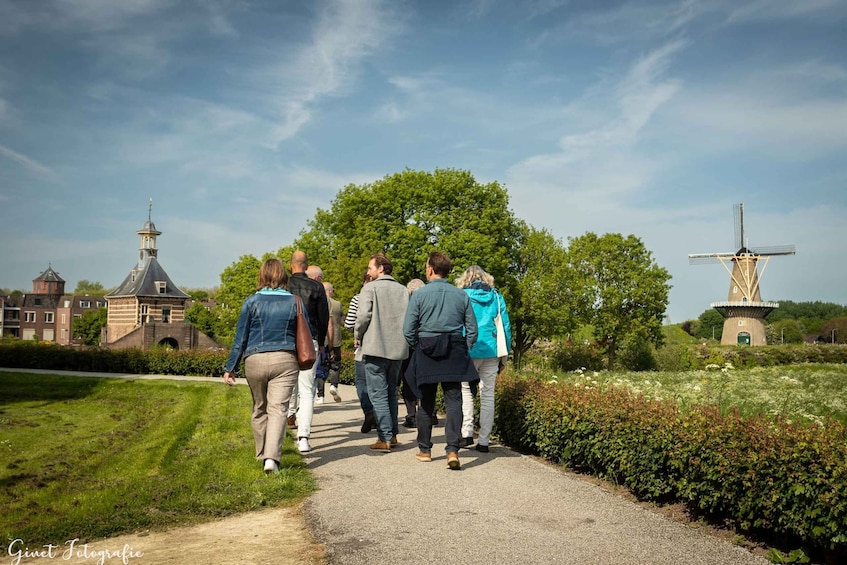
x,y
319,400
303,445
271,466
334,392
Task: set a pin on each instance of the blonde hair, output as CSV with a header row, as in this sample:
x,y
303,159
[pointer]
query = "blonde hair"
x,y
472,274
272,275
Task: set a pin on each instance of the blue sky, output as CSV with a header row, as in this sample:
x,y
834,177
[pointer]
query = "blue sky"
x,y
240,119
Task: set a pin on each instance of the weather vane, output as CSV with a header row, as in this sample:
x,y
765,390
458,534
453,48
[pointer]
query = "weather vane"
x,y
150,211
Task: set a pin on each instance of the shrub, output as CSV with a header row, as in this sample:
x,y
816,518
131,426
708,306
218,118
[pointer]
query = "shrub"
x,y
763,473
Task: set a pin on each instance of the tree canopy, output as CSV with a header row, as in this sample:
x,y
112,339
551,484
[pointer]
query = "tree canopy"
x,y
618,288
87,327
92,288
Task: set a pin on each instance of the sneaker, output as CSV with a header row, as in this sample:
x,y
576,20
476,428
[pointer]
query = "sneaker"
x,y
394,442
370,422
466,442
319,400
292,421
303,445
271,466
381,446
423,456
409,422
482,448
333,390
453,461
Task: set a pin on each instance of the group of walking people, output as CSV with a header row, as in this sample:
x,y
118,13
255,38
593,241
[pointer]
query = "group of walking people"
x,y
419,336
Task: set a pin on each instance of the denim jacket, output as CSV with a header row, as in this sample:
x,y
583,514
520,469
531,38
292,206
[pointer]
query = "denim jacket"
x,y
267,322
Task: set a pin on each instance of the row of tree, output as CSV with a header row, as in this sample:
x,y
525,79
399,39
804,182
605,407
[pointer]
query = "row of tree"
x,y
792,322
609,282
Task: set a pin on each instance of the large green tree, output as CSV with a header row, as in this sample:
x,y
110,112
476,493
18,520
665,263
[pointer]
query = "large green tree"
x,y
711,325
406,216
618,288
87,327
92,288
537,293
238,281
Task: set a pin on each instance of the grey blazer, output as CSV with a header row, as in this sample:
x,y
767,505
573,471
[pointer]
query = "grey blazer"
x,y
379,322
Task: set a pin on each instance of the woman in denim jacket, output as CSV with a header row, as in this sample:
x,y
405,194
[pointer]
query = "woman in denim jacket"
x,y
265,336
486,303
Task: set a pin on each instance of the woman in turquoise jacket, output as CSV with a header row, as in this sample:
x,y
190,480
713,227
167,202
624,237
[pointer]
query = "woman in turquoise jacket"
x,y
487,304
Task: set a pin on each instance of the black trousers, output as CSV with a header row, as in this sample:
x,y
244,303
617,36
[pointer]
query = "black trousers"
x,y
426,412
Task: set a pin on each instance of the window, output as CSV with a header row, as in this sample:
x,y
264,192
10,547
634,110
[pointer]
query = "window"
x,y
166,314
162,286
67,303
29,316
48,335
101,303
734,290
49,317
37,302
740,322
64,318
13,315
85,304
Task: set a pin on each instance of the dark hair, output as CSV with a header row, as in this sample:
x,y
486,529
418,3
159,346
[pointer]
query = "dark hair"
x,y
440,263
381,260
366,278
272,275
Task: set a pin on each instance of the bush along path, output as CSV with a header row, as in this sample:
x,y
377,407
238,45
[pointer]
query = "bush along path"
x,y
782,481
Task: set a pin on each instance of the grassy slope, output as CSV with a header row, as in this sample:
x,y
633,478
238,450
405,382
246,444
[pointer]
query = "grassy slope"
x,y
93,457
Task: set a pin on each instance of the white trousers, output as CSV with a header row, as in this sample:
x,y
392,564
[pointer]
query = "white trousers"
x,y
487,369
304,392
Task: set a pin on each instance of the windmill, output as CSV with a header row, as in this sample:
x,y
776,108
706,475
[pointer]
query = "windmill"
x,y
744,311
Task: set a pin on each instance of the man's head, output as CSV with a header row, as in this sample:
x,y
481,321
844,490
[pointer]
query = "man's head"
x,y
315,273
414,285
379,265
330,290
438,265
299,262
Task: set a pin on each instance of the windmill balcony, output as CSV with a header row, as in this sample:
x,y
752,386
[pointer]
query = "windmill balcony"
x,y
744,309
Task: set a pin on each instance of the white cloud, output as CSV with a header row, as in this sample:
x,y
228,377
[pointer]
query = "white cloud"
x,y
30,164
347,32
763,10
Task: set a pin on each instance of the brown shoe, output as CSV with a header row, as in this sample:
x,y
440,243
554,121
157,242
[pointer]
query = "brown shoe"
x,y
453,461
423,456
382,446
292,421
394,442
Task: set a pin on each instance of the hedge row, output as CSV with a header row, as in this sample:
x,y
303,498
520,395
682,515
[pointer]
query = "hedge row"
x,y
35,355
765,475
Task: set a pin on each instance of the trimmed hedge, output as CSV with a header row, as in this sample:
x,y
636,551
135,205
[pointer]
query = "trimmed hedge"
x,y
764,474
35,355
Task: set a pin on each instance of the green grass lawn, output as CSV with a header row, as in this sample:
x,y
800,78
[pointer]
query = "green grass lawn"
x,y
811,391
94,457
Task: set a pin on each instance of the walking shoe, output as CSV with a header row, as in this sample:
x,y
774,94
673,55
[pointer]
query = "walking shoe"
x,y
333,390
303,445
453,461
466,442
370,422
394,442
482,448
319,400
292,421
423,456
271,466
409,422
381,446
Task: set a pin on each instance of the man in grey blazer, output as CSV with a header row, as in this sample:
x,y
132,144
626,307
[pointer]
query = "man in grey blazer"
x,y
379,330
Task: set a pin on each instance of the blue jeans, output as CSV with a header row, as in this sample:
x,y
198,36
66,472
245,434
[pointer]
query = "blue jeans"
x,y
382,376
362,388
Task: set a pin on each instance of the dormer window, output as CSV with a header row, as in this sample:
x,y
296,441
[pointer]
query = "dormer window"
x,y
162,287
85,304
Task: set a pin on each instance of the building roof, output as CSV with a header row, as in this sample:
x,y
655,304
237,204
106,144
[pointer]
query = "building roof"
x,y
142,280
49,276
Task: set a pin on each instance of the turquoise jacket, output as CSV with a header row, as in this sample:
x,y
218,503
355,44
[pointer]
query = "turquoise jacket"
x,y
486,302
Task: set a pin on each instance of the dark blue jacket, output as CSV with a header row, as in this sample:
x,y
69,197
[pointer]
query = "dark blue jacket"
x,y
267,322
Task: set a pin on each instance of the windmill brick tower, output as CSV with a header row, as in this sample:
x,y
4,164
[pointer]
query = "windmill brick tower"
x,y
744,310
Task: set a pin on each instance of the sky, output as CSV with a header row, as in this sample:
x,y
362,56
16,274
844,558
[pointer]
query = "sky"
x,y
240,119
